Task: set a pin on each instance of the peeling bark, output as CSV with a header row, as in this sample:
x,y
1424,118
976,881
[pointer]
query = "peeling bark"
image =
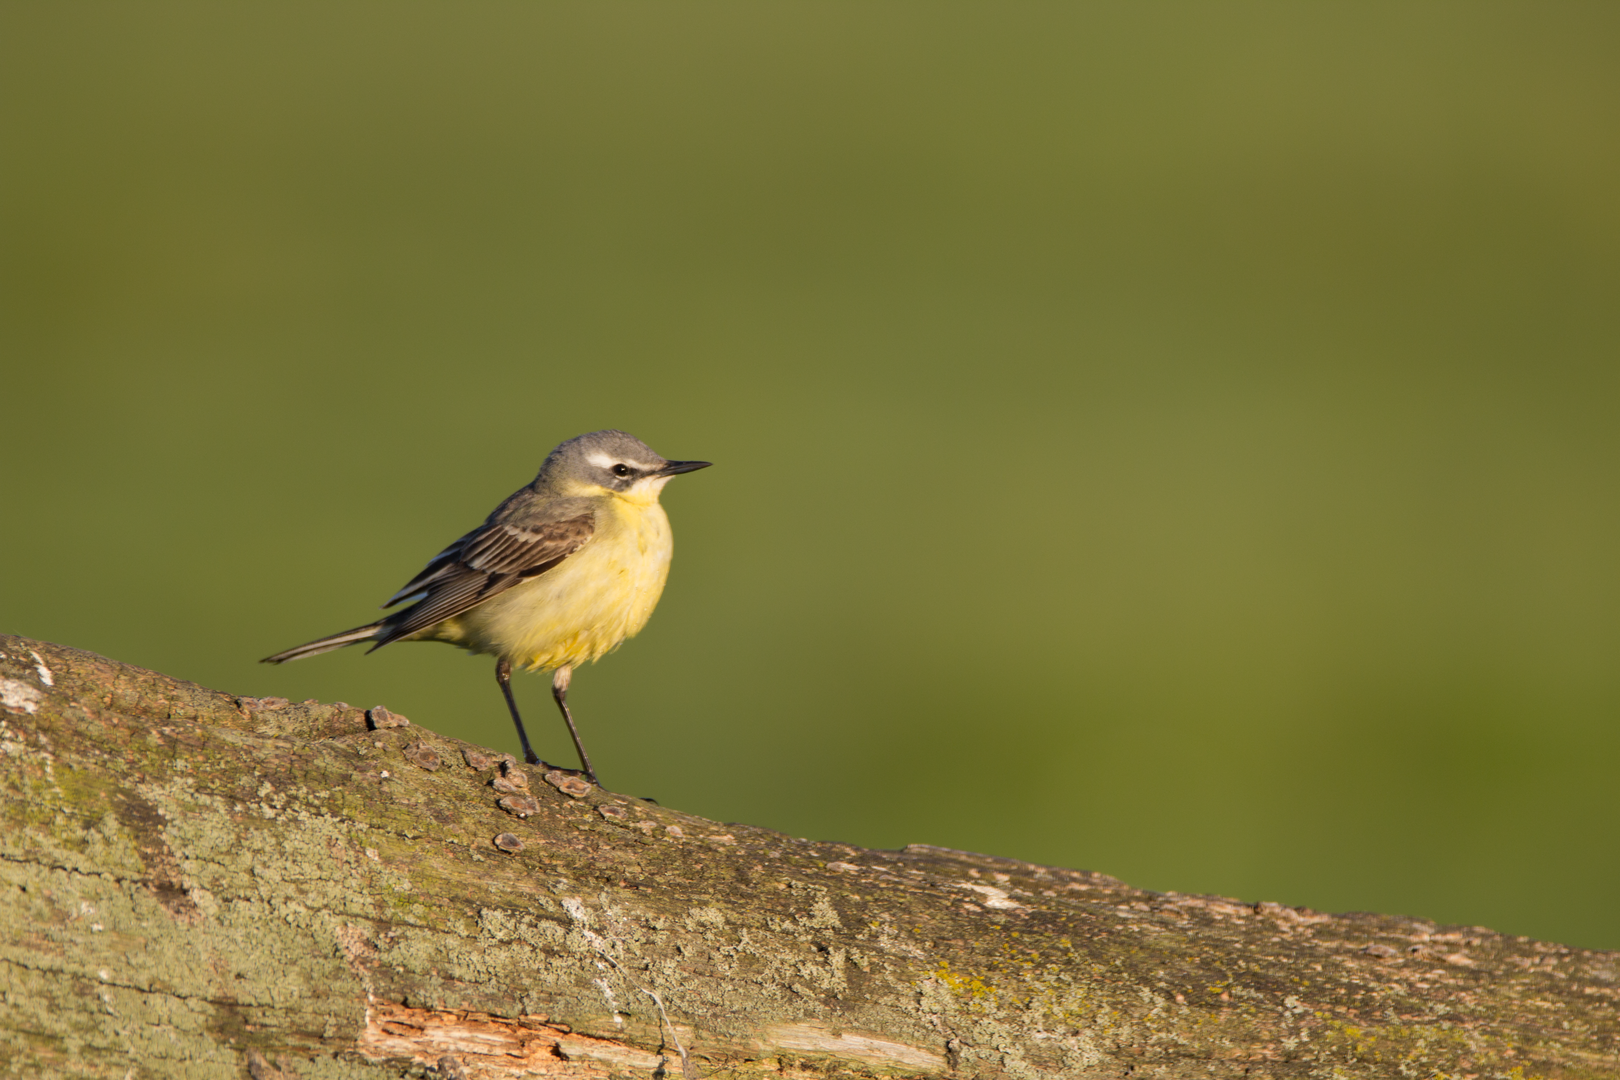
x,y
200,885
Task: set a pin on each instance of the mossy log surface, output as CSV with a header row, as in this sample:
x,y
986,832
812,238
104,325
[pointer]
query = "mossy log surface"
x,y
199,885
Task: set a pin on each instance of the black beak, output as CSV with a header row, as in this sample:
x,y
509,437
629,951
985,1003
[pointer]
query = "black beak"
x,y
673,468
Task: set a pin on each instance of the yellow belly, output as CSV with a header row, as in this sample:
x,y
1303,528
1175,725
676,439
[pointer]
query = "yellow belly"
x,y
586,607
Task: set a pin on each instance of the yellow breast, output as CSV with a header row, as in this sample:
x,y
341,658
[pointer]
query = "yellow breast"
x,y
600,595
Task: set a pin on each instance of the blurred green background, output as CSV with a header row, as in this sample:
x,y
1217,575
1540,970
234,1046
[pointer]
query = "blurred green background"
x,y
1176,440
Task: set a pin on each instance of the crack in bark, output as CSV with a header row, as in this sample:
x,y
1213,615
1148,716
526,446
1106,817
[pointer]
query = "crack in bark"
x,y
221,1003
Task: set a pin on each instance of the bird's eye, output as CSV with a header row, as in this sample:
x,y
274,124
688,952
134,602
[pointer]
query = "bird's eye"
x,y
621,470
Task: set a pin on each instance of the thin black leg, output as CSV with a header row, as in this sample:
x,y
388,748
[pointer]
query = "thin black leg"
x,y
503,675
559,691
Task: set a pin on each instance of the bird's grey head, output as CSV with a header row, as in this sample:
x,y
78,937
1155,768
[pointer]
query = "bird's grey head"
x,y
610,460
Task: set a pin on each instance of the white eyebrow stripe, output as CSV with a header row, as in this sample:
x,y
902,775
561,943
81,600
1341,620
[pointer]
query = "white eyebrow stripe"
x,y
607,461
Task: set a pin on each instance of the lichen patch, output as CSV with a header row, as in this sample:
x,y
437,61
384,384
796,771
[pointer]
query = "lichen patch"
x,y
19,697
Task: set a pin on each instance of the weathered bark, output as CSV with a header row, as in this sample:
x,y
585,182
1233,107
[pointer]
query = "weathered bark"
x,y
197,885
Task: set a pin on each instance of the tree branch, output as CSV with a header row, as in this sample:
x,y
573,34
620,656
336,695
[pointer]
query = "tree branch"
x,y
195,884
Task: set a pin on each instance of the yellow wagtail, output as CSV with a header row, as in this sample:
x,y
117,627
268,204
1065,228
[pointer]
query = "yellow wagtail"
x,y
562,572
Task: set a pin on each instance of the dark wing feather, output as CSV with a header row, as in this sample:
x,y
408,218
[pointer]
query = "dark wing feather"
x,y
440,564
484,563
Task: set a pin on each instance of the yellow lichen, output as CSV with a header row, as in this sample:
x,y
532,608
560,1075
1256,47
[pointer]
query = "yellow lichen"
x,y
969,986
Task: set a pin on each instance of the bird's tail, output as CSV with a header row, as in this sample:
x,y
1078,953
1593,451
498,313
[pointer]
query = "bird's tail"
x,y
327,644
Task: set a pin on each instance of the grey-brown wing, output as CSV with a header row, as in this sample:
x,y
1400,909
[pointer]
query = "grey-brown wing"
x,y
484,563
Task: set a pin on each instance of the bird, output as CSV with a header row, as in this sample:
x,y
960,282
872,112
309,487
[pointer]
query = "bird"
x,y
560,573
